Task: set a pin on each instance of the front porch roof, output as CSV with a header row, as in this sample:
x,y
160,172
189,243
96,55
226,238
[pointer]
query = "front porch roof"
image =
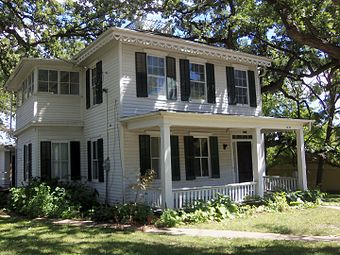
x,y
209,120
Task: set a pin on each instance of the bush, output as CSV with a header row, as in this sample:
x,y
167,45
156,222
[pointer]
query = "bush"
x,y
169,218
123,213
3,199
39,199
277,202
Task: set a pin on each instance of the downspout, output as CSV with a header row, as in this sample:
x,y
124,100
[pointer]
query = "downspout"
x,y
107,160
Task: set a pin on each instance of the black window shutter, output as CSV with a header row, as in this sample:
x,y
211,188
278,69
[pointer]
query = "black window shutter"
x,y
171,86
30,161
210,69
88,90
45,160
100,145
185,79
231,85
25,162
99,82
144,153
175,167
214,157
189,157
252,88
75,160
141,75
89,161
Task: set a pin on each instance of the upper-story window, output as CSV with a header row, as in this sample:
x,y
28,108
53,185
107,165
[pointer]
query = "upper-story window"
x,y
63,82
69,83
48,81
156,76
241,87
197,81
26,89
94,85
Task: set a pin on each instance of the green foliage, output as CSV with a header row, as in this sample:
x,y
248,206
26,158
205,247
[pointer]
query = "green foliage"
x,y
126,213
278,202
3,200
169,218
42,200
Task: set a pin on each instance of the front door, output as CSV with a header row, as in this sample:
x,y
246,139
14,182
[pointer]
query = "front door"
x,y
244,162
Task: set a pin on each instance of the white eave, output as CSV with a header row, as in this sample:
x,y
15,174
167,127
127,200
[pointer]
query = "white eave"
x,y
25,65
208,120
168,43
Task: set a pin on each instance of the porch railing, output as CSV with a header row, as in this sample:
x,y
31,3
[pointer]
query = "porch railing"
x,y
237,192
153,197
274,183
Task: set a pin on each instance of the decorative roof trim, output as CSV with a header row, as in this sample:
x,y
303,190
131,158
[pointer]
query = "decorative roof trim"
x,y
176,44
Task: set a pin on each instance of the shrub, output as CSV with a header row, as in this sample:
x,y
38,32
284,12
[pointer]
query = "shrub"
x,y
169,218
122,213
39,199
3,199
277,202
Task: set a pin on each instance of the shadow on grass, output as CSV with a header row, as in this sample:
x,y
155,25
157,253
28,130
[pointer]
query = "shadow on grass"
x,y
278,229
27,237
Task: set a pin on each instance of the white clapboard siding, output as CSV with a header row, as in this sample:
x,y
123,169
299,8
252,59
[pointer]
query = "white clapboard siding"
x,y
25,113
131,105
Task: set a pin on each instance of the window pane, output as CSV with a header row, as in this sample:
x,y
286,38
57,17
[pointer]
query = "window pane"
x,y
205,168
53,75
204,144
197,90
74,77
55,151
197,72
197,167
95,170
64,88
94,144
64,151
74,89
53,87
155,147
55,169
43,86
64,170
156,85
64,77
196,145
155,165
43,75
94,73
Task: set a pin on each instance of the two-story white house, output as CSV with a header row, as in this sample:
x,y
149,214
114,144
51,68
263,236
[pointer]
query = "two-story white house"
x,y
143,101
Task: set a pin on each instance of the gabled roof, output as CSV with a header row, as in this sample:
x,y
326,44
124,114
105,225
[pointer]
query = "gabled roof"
x,y
149,39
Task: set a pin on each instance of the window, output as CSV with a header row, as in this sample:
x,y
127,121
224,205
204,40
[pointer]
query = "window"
x,y
201,157
27,88
197,81
60,161
94,85
48,81
27,161
156,76
69,83
241,87
154,153
95,162
63,82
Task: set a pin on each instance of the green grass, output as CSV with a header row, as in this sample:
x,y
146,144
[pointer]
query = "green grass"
x,y
40,237
313,221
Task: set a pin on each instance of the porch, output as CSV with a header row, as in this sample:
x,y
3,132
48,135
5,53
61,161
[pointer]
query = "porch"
x,y
230,141
237,192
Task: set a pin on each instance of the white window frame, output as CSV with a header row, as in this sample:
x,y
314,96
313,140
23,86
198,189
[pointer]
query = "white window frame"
x,y
94,161
60,161
200,157
58,82
69,83
156,76
205,82
247,87
158,174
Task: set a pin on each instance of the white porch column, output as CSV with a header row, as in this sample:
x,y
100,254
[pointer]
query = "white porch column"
x,y
166,179
259,161
301,160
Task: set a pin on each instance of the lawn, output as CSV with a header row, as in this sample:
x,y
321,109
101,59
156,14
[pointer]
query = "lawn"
x,y
40,237
314,221
332,199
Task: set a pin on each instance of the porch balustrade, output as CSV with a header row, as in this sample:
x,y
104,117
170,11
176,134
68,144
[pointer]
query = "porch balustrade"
x,y
274,183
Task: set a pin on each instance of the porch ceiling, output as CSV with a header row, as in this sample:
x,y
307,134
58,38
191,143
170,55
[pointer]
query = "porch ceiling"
x,y
208,120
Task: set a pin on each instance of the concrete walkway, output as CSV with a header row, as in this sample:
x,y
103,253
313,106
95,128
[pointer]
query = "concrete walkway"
x,y
331,207
239,234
